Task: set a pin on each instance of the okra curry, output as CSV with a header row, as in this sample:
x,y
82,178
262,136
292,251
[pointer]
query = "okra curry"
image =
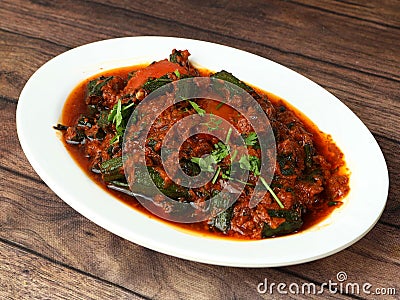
x,y
309,181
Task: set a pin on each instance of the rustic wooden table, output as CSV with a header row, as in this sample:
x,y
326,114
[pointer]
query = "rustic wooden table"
x,y
49,251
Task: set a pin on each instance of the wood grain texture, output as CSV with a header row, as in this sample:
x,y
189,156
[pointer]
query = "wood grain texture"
x,y
34,277
48,226
385,12
368,94
314,34
48,250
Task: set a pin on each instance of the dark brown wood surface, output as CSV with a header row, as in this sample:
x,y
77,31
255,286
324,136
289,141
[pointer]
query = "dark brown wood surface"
x,y
49,251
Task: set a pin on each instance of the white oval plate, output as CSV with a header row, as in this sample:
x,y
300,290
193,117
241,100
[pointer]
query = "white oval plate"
x,y
42,99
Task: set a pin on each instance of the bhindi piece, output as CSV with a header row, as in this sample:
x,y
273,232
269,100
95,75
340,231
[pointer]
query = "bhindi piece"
x,y
112,169
226,76
153,84
190,168
292,223
142,186
222,221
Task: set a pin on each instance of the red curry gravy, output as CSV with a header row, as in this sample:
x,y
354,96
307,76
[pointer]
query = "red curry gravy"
x,y
76,106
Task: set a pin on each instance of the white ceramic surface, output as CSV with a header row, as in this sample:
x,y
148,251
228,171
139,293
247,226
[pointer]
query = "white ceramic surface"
x,y
42,100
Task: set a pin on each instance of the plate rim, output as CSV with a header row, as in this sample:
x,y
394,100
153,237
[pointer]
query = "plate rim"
x,y
161,246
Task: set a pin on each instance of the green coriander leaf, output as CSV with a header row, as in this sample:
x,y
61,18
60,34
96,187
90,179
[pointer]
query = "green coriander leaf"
x,y
250,163
251,139
112,114
216,175
115,139
118,115
253,163
244,163
205,163
228,135
221,151
126,107
177,73
219,105
272,192
234,155
197,108
213,123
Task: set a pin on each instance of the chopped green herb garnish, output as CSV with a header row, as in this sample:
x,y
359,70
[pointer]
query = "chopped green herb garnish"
x,y
177,73
228,136
119,116
221,151
252,163
213,123
216,175
205,163
246,162
219,105
197,108
234,155
271,192
251,139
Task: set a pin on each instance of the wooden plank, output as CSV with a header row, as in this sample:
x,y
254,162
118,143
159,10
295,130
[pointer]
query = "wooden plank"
x,y
373,98
11,155
391,151
28,276
361,264
289,27
369,95
286,26
20,58
41,222
381,12
36,219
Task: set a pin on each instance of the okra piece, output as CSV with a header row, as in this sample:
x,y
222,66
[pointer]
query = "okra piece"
x,y
292,222
222,221
112,169
141,185
226,76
